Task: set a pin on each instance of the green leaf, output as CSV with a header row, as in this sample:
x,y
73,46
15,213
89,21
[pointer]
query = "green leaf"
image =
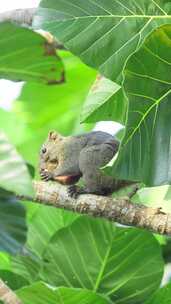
x,y
26,264
14,175
13,229
42,225
26,55
157,197
40,293
5,262
145,150
124,264
162,296
103,33
45,222
105,101
31,170
13,280
15,128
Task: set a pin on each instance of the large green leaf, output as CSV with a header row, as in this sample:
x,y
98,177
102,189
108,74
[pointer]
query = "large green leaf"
x,y
14,175
145,150
103,33
105,101
26,55
39,293
162,296
42,225
13,229
45,222
124,264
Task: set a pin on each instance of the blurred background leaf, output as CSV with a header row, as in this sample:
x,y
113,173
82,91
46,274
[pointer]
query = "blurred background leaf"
x,y
157,197
13,229
14,175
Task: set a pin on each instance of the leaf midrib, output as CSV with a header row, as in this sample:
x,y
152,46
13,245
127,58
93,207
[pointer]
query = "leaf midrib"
x,y
102,268
111,16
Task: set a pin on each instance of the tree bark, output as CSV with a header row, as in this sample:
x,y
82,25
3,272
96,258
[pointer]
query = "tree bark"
x,y
120,210
20,16
7,295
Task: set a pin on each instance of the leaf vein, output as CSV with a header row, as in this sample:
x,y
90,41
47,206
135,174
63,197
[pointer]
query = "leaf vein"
x,y
162,10
102,37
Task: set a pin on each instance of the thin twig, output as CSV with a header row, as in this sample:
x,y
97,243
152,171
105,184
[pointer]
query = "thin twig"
x,y
20,16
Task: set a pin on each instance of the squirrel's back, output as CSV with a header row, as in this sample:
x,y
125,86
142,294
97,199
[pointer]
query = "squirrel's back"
x,y
97,138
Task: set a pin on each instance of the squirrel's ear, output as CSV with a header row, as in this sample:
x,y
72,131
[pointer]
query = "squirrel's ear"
x,y
53,135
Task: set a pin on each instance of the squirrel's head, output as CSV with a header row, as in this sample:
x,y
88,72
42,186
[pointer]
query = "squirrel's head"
x,y
50,151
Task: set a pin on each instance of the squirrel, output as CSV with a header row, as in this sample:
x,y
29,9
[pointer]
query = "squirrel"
x,y
67,159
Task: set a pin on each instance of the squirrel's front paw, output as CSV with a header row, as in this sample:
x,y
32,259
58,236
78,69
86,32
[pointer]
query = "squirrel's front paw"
x,y
73,191
45,175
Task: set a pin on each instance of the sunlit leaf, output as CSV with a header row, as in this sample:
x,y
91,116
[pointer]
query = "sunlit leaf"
x,y
105,101
14,175
157,197
5,262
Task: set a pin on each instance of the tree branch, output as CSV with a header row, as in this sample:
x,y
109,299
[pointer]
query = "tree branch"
x,y
7,295
120,210
20,16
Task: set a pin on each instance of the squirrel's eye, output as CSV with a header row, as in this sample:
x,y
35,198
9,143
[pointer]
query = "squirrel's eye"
x,y
54,161
44,150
